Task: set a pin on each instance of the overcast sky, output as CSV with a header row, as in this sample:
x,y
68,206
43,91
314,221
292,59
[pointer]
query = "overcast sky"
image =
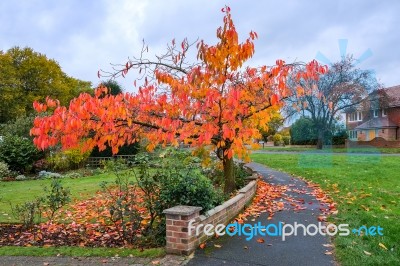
x,y
84,36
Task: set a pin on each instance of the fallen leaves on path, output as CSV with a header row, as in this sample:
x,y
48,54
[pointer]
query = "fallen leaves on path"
x,y
271,198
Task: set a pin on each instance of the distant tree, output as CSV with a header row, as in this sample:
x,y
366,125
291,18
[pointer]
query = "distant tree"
x,y
323,100
272,126
302,132
26,76
114,88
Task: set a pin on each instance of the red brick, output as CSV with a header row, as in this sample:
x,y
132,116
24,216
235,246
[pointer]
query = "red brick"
x,y
179,223
172,239
174,228
180,235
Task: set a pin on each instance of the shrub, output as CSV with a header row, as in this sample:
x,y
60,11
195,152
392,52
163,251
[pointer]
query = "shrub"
x,y
73,175
19,127
286,140
187,188
278,139
67,160
57,196
48,175
28,213
40,165
4,171
18,152
20,178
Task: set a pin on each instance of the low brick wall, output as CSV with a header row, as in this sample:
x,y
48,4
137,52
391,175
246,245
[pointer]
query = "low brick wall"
x,y
181,241
376,142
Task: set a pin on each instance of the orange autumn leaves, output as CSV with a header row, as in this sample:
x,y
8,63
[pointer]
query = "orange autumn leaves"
x,y
214,101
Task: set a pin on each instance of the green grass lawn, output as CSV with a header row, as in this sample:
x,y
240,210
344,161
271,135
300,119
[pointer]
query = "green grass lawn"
x,y
334,150
367,190
21,191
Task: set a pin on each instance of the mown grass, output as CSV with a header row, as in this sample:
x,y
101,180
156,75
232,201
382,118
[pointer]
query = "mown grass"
x,y
334,150
17,192
81,252
367,190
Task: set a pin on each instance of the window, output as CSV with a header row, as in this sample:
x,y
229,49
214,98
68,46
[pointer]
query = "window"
x,y
376,113
383,131
356,116
384,112
353,134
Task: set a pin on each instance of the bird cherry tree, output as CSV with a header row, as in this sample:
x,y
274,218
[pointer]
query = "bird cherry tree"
x,y
214,102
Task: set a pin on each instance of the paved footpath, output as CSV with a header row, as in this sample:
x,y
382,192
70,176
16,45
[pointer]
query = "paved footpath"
x,y
299,250
169,260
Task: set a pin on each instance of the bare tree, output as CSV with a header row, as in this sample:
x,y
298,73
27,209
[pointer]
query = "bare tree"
x,y
324,100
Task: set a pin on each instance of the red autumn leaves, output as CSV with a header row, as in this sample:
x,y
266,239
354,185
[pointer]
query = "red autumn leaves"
x,y
214,101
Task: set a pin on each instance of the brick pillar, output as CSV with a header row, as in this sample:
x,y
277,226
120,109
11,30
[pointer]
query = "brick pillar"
x,y
179,241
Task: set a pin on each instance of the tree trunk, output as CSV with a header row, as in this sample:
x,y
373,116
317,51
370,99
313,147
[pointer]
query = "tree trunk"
x,y
229,175
320,141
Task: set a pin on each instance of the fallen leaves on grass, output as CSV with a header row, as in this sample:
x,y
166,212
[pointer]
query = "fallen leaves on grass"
x,y
367,253
383,246
84,223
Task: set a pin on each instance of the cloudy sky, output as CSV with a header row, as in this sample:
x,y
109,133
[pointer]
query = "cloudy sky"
x,y
84,36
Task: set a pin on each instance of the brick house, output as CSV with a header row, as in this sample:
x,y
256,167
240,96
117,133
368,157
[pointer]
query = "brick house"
x,y
377,116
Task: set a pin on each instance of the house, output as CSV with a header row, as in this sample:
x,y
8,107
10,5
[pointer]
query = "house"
x,y
377,116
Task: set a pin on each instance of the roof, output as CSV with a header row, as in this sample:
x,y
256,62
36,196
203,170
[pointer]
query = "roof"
x,y
394,95
390,97
377,122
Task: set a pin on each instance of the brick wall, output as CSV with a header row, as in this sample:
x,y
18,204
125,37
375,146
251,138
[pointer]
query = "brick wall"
x,y
376,142
181,241
394,115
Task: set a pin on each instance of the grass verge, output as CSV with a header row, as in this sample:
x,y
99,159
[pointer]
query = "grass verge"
x,y
334,150
81,252
367,190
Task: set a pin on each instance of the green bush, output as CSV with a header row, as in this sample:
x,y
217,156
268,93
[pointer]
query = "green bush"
x,y
28,213
20,178
73,175
19,127
67,160
56,197
49,175
286,140
19,153
278,139
187,187
4,170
